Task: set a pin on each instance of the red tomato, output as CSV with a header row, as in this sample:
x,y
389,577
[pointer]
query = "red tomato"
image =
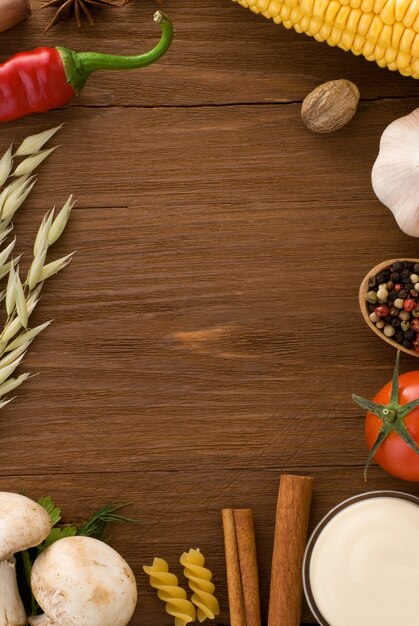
x,y
394,455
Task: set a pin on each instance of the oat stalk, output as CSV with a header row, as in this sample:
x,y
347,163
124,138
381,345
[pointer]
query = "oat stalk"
x,y
21,296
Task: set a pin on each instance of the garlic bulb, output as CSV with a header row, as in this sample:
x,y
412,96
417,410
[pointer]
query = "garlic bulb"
x,y
395,175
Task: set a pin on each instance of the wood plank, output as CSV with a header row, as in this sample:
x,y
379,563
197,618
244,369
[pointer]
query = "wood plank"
x,y
206,336
185,502
163,325
222,54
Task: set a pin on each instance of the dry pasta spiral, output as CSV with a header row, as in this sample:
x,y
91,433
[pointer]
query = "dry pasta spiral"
x,y
168,590
199,578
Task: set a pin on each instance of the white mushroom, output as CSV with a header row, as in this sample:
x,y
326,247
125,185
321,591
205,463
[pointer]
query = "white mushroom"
x,y
81,581
23,524
395,175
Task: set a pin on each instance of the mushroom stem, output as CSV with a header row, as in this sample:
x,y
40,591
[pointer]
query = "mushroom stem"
x,y
12,612
40,620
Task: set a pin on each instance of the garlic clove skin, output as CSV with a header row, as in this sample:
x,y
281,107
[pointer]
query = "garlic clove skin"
x,y
395,174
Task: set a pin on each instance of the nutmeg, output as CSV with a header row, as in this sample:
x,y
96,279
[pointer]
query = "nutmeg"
x,y
330,106
12,12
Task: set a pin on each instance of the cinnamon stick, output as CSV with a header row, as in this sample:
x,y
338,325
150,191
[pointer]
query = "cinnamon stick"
x,y
241,562
292,517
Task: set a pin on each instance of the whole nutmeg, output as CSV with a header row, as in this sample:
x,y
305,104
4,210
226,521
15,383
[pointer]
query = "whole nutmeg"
x,y
330,106
12,12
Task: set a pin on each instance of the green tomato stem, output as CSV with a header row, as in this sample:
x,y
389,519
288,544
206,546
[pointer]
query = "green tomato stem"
x,y
392,416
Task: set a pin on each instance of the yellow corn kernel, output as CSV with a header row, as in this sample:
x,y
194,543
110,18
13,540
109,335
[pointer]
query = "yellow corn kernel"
x,y
403,60
304,22
342,16
358,44
347,39
368,49
385,36
400,9
398,30
285,12
391,55
406,41
387,14
335,36
315,26
262,5
364,23
352,21
367,6
288,24
319,8
274,8
411,13
291,3
415,67
332,11
416,25
325,31
306,7
415,47
296,15
379,53
379,5
355,4
375,29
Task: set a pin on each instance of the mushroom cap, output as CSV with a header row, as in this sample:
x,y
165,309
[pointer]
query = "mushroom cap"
x,y
81,581
23,524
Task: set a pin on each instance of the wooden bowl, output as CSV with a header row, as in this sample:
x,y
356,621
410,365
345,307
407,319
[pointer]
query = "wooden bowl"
x,y
364,309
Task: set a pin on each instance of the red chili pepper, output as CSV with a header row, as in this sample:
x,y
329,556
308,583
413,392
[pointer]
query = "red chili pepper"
x,y
47,78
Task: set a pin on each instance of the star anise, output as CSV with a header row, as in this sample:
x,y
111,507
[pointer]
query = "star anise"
x,y
78,9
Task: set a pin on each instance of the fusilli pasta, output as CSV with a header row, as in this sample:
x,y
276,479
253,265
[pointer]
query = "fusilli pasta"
x,y
168,590
199,578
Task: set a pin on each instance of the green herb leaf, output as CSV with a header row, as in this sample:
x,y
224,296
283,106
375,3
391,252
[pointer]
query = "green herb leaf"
x,y
55,535
53,511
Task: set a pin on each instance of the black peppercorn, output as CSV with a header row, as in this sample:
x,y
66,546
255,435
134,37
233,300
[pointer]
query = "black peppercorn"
x,y
409,334
407,344
397,266
371,307
393,295
403,293
383,276
398,337
405,276
408,286
395,277
395,322
387,318
372,282
416,268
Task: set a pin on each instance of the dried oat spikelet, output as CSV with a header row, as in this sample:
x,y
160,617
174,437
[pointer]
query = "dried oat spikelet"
x,y
169,592
199,579
20,298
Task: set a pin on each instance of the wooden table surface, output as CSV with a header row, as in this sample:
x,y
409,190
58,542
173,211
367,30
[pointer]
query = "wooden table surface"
x,y
207,335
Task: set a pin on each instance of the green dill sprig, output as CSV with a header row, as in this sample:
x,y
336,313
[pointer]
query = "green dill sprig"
x,y
99,522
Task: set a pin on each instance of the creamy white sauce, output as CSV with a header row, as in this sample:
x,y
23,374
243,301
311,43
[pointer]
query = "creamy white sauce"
x,y
364,568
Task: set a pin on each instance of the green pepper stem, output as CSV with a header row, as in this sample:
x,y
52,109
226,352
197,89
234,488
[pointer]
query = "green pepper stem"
x,y
79,65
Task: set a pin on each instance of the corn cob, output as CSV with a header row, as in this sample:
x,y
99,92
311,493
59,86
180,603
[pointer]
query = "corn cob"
x,y
384,31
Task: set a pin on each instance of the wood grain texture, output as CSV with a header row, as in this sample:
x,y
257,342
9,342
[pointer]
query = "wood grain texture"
x,y
207,335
